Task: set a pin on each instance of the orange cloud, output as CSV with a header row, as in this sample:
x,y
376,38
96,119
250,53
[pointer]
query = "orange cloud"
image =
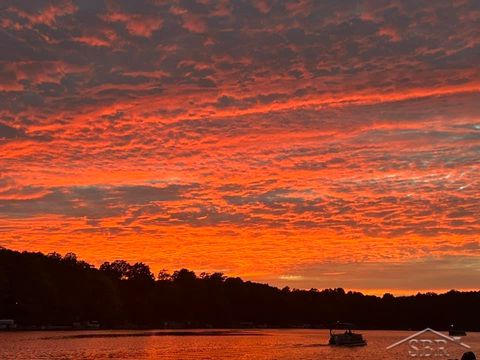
x,y
288,143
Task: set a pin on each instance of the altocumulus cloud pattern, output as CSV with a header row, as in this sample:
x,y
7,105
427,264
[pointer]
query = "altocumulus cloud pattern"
x,y
304,143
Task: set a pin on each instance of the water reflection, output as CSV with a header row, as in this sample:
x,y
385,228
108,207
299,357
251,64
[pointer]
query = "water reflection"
x,y
196,345
73,335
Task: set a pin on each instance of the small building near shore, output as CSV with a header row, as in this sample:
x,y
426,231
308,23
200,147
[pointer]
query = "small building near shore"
x,y
7,324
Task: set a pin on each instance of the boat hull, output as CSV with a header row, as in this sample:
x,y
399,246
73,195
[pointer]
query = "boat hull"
x,y
347,340
457,333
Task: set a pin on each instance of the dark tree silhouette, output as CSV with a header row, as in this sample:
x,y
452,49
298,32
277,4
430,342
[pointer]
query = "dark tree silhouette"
x,y
119,269
37,289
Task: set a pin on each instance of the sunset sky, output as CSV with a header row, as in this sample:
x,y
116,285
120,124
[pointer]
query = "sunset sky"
x,y
300,143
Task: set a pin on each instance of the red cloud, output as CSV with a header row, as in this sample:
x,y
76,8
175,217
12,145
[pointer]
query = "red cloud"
x,y
138,25
262,139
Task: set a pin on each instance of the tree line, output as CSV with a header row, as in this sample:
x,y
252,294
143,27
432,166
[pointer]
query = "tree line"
x,y
38,289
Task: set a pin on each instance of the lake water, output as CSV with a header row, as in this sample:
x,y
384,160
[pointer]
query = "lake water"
x,y
201,344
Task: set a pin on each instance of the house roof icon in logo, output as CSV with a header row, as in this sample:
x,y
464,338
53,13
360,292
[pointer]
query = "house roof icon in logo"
x,y
439,334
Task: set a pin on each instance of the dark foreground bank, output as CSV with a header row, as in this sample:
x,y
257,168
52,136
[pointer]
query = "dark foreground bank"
x,y
51,291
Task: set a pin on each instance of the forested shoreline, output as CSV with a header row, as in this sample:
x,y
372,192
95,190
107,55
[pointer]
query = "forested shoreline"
x,y
38,290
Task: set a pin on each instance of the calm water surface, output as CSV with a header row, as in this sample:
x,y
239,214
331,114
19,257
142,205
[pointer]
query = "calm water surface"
x,y
254,344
